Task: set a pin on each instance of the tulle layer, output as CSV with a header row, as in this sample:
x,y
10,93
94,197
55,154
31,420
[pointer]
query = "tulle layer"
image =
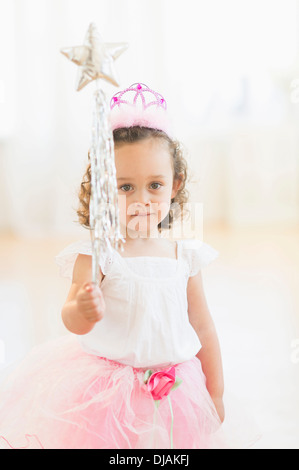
x,y
63,398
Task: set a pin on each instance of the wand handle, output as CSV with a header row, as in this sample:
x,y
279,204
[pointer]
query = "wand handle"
x,y
103,206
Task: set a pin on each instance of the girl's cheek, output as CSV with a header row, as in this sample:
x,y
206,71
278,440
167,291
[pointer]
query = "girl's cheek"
x,y
122,203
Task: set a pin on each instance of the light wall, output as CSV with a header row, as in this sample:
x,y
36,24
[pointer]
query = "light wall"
x,y
228,71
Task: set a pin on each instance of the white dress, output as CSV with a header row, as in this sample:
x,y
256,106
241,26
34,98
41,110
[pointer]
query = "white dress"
x,y
146,320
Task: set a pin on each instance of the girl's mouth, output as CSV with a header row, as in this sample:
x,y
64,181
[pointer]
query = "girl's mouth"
x,y
141,215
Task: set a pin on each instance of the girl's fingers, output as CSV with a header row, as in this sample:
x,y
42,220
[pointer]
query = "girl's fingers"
x,y
94,294
92,315
91,302
95,307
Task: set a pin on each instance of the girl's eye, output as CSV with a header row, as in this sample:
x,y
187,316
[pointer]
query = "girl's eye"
x,y
158,184
128,186
125,186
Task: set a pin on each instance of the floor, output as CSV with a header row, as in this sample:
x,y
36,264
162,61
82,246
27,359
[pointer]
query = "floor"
x,y
252,292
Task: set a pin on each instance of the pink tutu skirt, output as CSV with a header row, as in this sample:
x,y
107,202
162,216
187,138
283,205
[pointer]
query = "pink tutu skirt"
x,y
61,397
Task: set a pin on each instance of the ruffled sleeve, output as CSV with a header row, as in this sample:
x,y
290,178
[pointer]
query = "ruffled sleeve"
x,y
198,255
67,257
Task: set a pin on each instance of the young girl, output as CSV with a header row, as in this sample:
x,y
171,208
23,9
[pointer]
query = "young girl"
x,y
142,367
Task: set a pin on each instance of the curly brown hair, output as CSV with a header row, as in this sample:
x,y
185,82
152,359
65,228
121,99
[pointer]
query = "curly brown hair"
x,y
130,135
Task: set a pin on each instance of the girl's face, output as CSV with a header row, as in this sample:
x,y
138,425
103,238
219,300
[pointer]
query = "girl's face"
x,y
145,185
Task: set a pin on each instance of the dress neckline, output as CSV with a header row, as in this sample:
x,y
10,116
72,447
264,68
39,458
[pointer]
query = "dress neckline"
x,y
157,257
122,260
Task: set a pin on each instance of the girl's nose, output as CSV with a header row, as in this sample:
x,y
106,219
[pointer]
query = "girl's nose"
x,y
142,203
142,197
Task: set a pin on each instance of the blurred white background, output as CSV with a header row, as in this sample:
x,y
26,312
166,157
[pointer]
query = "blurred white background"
x,y
230,74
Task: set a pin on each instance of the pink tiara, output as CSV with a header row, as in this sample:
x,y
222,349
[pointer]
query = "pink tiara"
x,y
138,105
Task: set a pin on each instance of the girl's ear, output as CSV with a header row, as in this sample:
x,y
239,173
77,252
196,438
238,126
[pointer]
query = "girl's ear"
x,y
176,186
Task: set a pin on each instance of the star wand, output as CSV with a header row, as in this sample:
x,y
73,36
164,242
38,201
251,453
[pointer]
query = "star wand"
x,y
96,61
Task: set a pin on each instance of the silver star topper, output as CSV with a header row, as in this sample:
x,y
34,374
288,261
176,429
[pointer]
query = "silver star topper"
x,y
95,58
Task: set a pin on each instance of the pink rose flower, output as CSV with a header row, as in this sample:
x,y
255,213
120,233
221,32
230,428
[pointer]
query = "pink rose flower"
x,y
160,383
